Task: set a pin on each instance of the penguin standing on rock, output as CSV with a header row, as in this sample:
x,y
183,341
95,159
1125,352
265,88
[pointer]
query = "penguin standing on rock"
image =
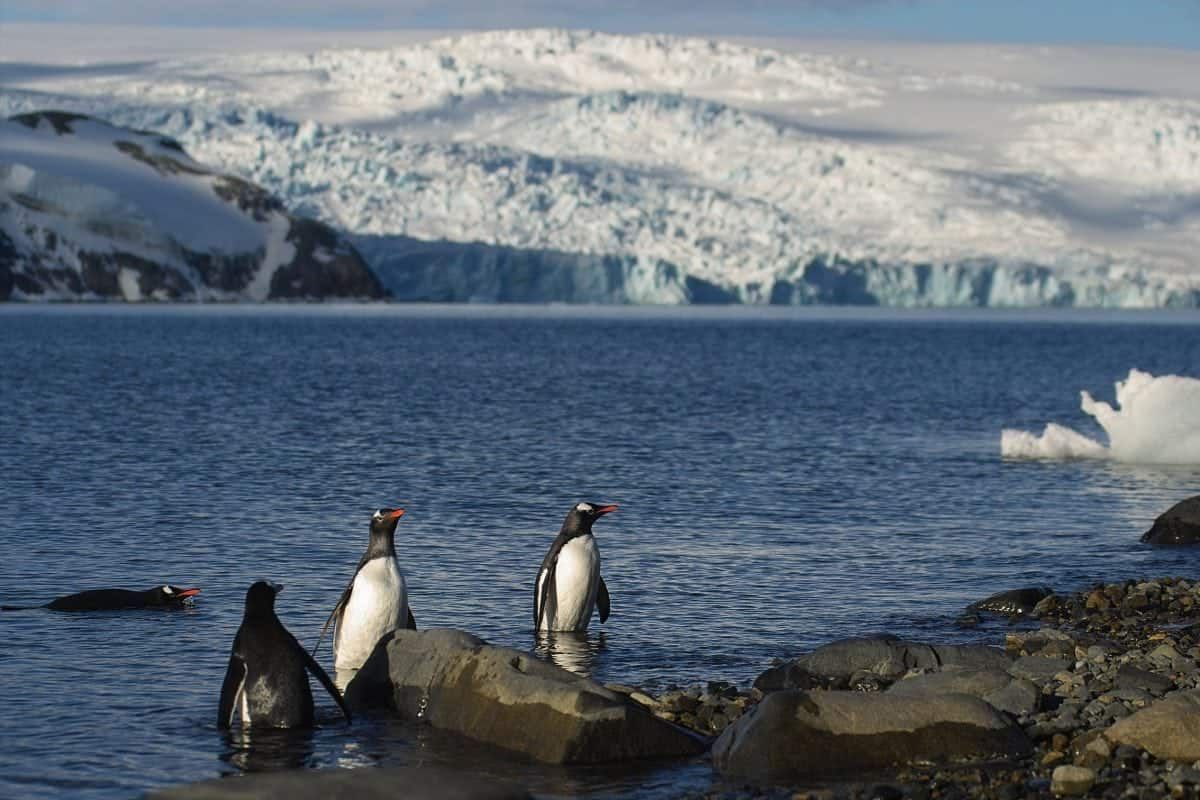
x,y
376,601
265,684
569,586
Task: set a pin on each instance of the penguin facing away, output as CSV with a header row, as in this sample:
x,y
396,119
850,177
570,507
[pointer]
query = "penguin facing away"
x,y
265,684
375,602
569,586
165,596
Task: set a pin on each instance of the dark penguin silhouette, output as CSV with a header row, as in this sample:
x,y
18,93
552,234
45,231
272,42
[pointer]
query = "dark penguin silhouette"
x,y
569,586
265,684
375,602
165,596
1014,602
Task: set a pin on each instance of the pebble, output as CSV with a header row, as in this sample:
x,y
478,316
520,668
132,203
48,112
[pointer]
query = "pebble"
x,y
1071,780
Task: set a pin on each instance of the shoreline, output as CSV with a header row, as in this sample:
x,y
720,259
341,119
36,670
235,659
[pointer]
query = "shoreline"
x,y
1080,663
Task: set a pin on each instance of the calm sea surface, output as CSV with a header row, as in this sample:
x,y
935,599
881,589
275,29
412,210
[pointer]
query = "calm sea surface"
x,y
784,479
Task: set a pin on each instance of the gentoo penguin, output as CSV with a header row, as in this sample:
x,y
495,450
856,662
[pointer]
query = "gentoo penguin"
x,y
265,685
165,596
569,585
375,602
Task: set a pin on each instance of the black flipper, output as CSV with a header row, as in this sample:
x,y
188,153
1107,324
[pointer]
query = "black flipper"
x,y
411,622
549,589
602,600
320,674
549,586
235,676
335,617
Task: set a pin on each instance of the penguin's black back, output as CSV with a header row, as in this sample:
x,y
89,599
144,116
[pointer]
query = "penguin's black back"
x,y
267,668
275,682
105,600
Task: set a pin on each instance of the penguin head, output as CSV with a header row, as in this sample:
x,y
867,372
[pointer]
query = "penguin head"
x,y
260,597
580,518
383,532
168,595
384,519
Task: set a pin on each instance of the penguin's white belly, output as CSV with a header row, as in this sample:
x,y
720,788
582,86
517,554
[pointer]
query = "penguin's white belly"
x,y
576,579
378,605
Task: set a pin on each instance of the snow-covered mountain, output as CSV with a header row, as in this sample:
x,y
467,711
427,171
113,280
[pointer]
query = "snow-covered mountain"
x,y
88,210
553,165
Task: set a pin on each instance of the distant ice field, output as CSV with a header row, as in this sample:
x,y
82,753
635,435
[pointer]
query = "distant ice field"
x,y
1006,175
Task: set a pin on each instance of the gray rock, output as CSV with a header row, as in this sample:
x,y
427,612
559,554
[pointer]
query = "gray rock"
x,y
796,734
510,699
890,657
1130,677
994,686
368,783
1039,669
1179,524
1170,728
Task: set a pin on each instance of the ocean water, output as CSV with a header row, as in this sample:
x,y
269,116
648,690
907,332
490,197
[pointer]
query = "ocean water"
x,y
785,478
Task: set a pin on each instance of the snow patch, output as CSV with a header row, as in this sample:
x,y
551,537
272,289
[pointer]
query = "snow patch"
x,y
127,279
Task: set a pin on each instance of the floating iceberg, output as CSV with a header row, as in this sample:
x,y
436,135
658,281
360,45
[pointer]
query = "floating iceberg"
x,y
1156,421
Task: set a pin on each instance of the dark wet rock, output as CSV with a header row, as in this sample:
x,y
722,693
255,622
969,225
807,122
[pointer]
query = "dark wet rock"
x,y
1170,728
884,658
455,681
789,675
1179,524
995,687
1014,602
368,783
796,734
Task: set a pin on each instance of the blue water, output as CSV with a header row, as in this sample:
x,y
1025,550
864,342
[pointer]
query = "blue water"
x,y
785,478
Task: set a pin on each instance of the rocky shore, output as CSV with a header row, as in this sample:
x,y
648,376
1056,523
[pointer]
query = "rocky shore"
x,y
1103,684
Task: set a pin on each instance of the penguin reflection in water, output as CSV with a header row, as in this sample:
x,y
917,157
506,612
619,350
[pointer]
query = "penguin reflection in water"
x,y
375,602
569,587
266,685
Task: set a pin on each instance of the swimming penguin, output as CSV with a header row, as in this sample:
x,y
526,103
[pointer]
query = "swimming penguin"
x,y
265,685
165,596
375,602
569,585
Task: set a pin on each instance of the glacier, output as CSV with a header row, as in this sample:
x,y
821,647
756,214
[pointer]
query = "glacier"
x,y
573,166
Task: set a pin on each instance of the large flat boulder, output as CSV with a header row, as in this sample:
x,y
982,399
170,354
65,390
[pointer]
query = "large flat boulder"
x,y
509,698
1167,728
368,783
798,735
1179,524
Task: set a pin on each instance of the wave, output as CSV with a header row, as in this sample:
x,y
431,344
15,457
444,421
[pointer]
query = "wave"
x,y
1156,421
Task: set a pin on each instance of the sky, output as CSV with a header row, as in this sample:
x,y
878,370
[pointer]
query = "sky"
x,y
1170,23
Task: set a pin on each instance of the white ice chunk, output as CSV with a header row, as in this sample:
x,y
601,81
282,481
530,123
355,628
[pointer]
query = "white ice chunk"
x,y
1056,442
1156,421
